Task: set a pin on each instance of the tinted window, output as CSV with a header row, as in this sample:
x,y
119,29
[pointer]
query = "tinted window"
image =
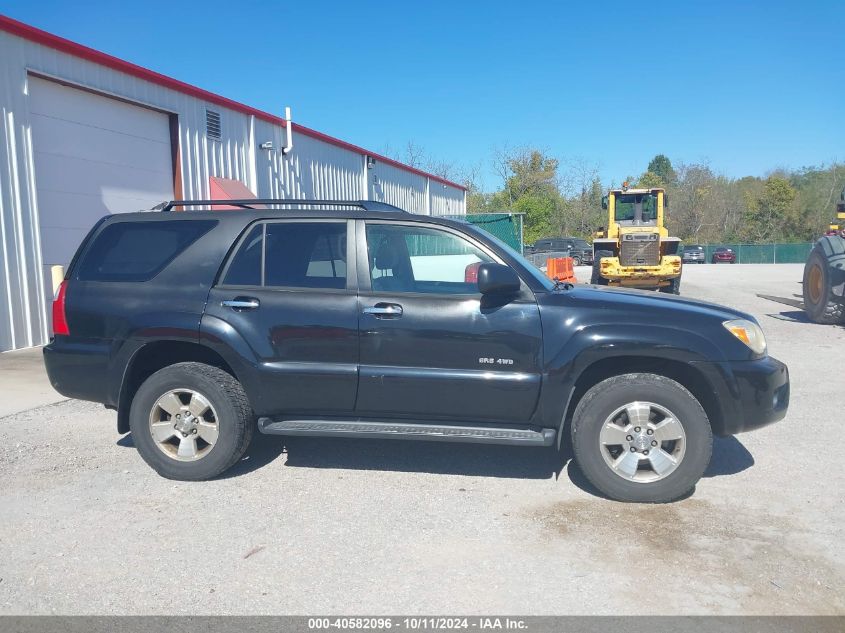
x,y
311,255
245,267
299,255
420,259
138,251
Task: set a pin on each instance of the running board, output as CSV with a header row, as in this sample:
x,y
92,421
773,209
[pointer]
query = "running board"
x,y
409,431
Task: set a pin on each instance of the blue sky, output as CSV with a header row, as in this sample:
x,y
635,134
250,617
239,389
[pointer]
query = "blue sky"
x,y
745,86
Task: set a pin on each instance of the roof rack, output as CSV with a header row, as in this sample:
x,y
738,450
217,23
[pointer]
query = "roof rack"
x,y
250,203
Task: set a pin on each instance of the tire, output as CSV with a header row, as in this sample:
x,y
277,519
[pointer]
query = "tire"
x,y
824,281
657,395
228,413
576,261
596,279
674,287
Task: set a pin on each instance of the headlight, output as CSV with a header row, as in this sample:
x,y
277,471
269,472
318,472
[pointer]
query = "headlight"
x,y
748,332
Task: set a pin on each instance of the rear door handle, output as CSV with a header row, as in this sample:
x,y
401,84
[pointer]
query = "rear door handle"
x,y
241,303
385,310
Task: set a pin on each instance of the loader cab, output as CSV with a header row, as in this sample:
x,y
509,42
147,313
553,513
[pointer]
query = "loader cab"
x,y
634,209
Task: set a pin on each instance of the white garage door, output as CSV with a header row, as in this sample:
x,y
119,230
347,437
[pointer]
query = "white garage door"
x,y
93,156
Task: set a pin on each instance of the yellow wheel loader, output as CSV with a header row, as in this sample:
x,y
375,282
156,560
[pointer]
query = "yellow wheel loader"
x,y
824,273
635,250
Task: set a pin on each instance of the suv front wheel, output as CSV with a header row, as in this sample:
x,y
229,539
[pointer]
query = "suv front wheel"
x,y
641,438
191,421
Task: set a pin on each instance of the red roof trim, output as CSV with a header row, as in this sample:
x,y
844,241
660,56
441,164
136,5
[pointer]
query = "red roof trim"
x,y
78,50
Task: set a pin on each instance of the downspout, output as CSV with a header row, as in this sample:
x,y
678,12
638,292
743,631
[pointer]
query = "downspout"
x,y
288,132
252,158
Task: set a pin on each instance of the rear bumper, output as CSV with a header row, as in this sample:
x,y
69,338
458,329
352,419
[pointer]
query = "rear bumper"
x,y
751,394
79,369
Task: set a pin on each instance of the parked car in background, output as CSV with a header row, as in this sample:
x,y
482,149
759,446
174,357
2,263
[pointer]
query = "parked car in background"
x,y
579,250
723,255
693,254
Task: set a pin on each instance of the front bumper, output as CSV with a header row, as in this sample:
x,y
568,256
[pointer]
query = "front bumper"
x,y
668,268
751,394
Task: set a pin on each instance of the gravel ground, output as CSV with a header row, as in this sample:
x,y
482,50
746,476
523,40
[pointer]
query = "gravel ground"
x,y
311,526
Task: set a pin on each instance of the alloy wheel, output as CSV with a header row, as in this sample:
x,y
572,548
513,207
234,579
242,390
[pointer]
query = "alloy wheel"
x,y
642,442
184,425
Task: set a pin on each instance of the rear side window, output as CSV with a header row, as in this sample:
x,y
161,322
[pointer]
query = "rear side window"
x,y
294,255
138,251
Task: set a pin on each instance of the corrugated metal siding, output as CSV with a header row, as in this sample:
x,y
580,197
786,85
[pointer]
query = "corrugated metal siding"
x,y
314,169
398,187
446,200
22,306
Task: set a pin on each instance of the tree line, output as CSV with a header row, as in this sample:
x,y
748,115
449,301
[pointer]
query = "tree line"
x,y
563,197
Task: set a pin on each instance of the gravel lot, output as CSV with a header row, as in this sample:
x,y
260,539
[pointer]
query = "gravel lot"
x,y
315,526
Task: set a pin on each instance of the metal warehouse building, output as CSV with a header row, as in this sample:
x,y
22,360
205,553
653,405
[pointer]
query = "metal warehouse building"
x,y
85,134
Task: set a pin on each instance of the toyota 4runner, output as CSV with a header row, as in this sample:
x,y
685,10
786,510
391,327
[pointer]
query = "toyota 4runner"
x,y
357,319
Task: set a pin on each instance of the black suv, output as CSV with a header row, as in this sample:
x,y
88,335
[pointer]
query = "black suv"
x,y
580,251
356,319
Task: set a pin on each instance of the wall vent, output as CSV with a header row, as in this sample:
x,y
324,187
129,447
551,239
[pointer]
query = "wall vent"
x,y
212,124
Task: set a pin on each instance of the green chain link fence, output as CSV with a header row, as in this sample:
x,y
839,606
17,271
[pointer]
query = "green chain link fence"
x,y
506,226
764,253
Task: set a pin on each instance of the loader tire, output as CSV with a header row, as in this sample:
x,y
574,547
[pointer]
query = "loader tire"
x,y
596,279
824,281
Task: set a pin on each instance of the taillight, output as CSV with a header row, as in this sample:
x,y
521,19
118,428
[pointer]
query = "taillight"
x,y
471,273
59,318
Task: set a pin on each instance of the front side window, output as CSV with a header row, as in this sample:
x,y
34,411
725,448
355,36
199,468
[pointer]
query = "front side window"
x,y
422,259
293,254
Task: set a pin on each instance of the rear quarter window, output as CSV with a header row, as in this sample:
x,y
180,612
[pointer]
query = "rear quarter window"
x,y
138,251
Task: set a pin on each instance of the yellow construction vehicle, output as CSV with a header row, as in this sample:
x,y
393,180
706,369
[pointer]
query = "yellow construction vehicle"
x,y
824,273
635,250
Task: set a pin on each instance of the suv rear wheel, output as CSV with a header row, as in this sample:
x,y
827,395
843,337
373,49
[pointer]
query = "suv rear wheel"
x,y
641,438
191,421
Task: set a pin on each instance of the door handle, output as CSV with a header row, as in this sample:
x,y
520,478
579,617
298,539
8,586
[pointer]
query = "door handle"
x,y
384,310
241,303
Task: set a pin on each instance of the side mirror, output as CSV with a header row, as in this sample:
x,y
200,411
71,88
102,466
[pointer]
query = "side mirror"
x,y
496,279
604,202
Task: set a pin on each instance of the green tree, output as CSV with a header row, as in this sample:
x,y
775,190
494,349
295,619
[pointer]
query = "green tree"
x,y
538,210
531,187
650,180
661,167
770,215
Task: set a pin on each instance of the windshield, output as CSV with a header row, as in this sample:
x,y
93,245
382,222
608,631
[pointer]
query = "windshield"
x,y
581,244
631,205
535,272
